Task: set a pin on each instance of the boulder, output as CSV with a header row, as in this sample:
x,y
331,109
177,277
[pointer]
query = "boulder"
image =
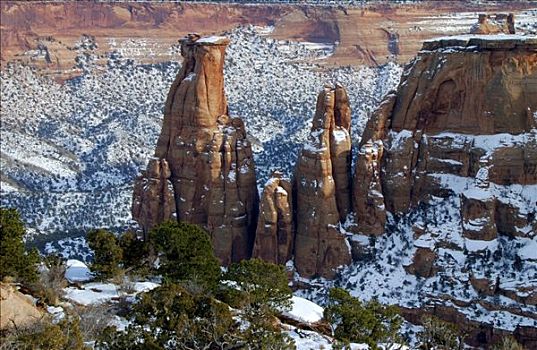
x,y
16,309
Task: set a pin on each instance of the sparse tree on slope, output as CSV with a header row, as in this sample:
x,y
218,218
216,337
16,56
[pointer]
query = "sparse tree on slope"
x,y
439,335
354,321
15,260
108,253
508,343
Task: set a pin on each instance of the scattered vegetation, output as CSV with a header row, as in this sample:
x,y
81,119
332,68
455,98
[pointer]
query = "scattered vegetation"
x,y
508,343
439,335
355,321
44,334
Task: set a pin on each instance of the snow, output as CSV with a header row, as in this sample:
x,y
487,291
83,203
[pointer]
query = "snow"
x,y
57,312
98,293
304,310
145,286
529,251
478,245
212,40
486,37
340,135
92,293
77,271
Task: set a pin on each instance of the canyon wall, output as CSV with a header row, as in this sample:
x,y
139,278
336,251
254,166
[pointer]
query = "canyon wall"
x,y
464,111
46,35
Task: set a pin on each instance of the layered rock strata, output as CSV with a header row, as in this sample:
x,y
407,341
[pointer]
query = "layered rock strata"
x,y
210,158
275,232
323,187
463,121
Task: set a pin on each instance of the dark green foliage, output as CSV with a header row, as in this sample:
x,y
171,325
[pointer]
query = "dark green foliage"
x,y
15,260
261,290
108,253
186,254
359,322
261,285
170,317
439,335
135,251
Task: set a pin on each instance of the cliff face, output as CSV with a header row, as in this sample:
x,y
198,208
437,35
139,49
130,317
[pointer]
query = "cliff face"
x,y
322,182
210,159
372,34
463,121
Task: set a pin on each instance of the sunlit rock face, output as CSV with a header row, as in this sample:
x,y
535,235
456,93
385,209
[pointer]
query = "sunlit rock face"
x,y
210,159
323,187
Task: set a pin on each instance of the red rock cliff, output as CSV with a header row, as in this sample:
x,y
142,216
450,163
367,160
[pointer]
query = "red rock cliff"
x,y
465,112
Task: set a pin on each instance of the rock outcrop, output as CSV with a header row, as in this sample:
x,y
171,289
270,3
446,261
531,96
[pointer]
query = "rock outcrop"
x,y
463,122
275,232
209,156
16,309
494,24
323,187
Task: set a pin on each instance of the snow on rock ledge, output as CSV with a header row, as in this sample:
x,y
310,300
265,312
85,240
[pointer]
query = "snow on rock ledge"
x,y
304,310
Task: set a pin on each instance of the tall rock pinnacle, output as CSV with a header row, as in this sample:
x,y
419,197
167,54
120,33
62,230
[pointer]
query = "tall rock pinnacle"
x,y
323,187
210,159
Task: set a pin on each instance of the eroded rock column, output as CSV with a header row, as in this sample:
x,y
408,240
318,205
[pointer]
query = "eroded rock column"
x,y
323,187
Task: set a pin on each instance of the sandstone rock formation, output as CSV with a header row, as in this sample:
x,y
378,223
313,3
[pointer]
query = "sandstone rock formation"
x,y
461,126
322,181
494,24
463,121
275,232
16,309
210,159
153,198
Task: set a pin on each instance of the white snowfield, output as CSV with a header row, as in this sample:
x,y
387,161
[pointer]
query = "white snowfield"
x,y
97,293
304,310
77,271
